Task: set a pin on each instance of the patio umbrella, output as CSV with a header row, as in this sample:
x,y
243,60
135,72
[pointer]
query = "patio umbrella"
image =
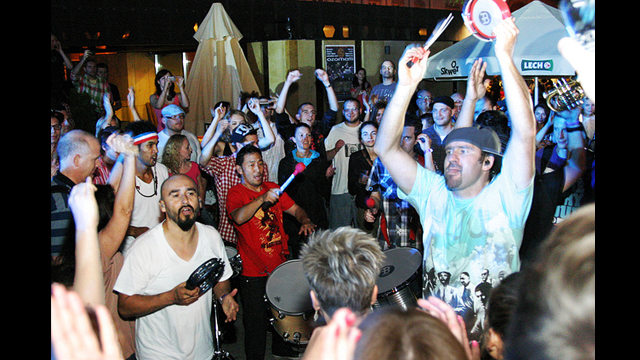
x,y
219,70
535,54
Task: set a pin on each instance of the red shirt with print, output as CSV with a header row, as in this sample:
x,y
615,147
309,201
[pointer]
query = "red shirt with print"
x,y
262,242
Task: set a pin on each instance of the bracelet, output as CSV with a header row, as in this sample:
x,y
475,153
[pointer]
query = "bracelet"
x,y
222,297
327,86
572,129
429,150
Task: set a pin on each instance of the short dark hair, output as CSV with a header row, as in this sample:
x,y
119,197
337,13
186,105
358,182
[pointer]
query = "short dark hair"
x,y
411,119
140,127
300,125
246,150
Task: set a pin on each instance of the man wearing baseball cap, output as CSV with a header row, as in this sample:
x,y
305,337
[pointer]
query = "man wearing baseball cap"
x,y
473,221
173,120
442,111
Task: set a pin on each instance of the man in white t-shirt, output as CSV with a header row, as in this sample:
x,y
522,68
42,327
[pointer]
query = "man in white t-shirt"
x,y
149,176
342,141
472,220
173,322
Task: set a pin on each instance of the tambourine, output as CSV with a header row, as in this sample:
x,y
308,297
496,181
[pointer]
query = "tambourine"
x,y
481,16
206,275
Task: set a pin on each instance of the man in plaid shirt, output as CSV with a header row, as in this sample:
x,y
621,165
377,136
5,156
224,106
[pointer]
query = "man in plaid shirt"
x,y
399,221
223,171
89,83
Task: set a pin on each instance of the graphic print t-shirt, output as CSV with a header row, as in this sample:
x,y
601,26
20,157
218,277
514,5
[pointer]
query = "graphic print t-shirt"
x,y
262,242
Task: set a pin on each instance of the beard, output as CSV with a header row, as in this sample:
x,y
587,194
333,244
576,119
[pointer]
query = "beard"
x,y
452,181
184,222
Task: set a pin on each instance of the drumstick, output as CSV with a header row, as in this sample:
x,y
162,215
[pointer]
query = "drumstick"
x,y
370,203
439,29
299,168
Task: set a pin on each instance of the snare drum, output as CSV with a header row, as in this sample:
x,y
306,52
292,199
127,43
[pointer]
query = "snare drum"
x,y
481,16
234,260
400,279
290,302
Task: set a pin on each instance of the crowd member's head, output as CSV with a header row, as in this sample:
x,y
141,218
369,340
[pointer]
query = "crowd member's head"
x,y
176,151
555,316
351,111
501,306
78,153
470,155
367,133
342,267
387,70
442,110
250,166
180,201
302,137
424,100
412,128
145,136
412,334
306,114
173,118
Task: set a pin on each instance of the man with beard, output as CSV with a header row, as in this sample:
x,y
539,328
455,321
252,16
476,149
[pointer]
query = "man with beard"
x,y
472,220
149,176
173,322
256,207
384,90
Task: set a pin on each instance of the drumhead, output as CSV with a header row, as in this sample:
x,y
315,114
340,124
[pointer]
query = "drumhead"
x,y
231,251
206,275
288,288
481,16
400,264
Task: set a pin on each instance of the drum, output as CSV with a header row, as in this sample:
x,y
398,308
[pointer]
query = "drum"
x,y
400,279
290,302
234,260
481,16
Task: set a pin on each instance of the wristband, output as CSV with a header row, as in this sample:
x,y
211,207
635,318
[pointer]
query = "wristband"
x,y
222,297
570,123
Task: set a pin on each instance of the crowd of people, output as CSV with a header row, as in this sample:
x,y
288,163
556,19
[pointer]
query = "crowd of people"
x,y
473,185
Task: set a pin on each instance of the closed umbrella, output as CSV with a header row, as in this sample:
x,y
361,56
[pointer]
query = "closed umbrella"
x,y
219,71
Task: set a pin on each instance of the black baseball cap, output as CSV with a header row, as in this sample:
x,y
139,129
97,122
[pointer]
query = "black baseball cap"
x,y
242,130
484,138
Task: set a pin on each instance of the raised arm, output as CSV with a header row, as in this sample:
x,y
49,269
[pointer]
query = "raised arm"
x,y
292,77
216,115
269,137
80,64
184,99
111,236
88,282
331,95
400,165
131,100
520,152
209,147
475,91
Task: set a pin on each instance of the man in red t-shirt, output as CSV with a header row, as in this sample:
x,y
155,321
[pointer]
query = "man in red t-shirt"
x,y
255,208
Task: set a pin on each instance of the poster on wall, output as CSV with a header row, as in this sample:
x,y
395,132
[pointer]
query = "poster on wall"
x,y
341,66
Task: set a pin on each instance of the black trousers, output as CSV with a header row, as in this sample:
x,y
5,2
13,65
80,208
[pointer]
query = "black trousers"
x,y
255,319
